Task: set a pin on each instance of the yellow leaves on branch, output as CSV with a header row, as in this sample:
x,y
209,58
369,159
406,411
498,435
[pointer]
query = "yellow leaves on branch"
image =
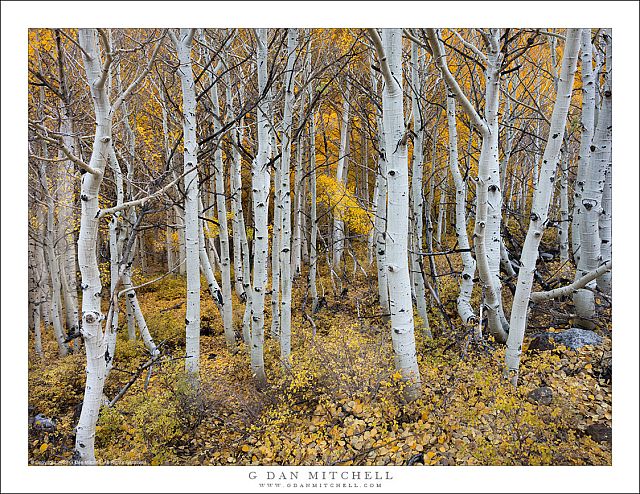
x,y
344,205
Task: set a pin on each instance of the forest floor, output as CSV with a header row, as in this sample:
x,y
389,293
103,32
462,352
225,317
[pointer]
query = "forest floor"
x,y
341,402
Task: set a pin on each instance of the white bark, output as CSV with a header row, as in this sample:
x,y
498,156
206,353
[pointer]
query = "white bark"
x,y
92,317
35,275
182,42
285,194
488,193
402,326
465,310
540,206
341,178
587,122
54,266
277,227
260,187
221,203
604,282
296,256
313,244
592,197
416,194
236,195
563,225
576,285
380,216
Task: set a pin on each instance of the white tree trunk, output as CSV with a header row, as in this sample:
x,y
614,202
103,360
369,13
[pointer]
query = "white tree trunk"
x,y
540,206
563,226
341,178
182,43
313,218
402,326
54,265
380,215
604,281
225,260
468,262
298,191
277,227
36,273
416,194
260,186
236,196
587,122
488,194
285,194
92,317
592,196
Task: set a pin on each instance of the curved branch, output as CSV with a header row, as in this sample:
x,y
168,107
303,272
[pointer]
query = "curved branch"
x,y
576,285
452,84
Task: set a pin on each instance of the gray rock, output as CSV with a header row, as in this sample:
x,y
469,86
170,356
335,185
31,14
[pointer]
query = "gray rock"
x,y
542,395
571,338
44,423
599,432
576,338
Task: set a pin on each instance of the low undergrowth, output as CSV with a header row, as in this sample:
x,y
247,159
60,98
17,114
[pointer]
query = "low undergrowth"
x,y
339,402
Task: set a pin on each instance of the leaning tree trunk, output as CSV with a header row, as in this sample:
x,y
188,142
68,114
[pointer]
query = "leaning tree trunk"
x,y
468,262
183,47
389,51
540,206
488,193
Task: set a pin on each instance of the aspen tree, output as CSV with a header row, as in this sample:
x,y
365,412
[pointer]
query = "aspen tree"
x,y
488,194
182,42
465,309
592,196
260,178
341,178
380,215
416,192
285,194
540,206
389,51
221,195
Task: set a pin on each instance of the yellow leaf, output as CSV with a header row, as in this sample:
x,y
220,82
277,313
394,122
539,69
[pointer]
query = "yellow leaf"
x,y
397,376
245,448
43,447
